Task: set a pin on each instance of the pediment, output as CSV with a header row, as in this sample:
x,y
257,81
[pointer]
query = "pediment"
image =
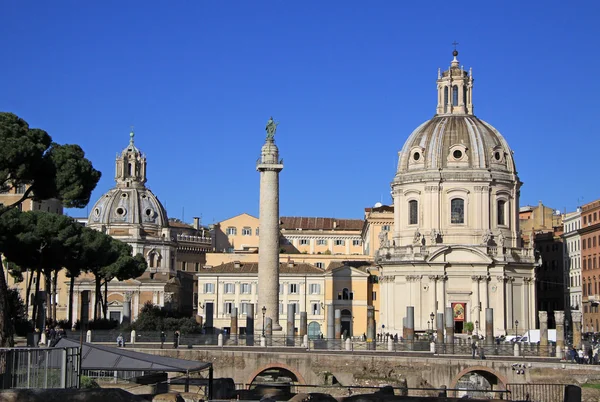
x,y
346,271
460,255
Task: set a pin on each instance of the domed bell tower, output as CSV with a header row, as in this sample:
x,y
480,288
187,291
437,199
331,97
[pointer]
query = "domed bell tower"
x,y
455,89
130,166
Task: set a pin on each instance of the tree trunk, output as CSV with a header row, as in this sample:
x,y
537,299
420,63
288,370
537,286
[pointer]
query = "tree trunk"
x,y
6,327
71,291
54,291
97,298
38,275
105,301
48,290
27,296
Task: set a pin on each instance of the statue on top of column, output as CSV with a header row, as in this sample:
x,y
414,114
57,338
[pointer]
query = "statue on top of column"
x,y
271,128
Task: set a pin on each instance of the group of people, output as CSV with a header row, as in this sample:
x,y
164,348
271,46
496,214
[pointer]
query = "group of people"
x,y
53,335
163,339
582,357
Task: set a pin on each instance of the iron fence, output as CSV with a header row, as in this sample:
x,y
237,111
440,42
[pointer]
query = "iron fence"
x,y
537,392
39,367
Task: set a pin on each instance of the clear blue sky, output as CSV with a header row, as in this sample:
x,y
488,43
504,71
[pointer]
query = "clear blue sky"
x,y
347,80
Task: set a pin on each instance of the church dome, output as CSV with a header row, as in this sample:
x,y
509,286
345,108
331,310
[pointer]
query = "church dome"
x,y
456,141
130,202
129,206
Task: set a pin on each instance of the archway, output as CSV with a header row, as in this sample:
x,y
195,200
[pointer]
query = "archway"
x,y
275,372
477,381
314,330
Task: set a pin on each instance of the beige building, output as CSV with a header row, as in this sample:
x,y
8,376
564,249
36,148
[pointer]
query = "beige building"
x,y
455,240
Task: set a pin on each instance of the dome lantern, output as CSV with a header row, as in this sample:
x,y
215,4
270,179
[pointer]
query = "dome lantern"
x,y
130,169
455,90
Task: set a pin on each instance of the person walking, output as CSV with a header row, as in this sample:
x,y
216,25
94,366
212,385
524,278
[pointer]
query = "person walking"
x,y
163,338
176,340
473,348
120,341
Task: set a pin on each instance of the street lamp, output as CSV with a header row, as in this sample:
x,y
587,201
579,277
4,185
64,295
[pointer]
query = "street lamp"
x,y
516,327
477,327
264,310
431,316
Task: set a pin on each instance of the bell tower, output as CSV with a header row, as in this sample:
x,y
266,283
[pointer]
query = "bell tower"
x,y
455,89
130,167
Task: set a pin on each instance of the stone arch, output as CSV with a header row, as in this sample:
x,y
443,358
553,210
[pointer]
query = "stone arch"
x,y
486,372
292,370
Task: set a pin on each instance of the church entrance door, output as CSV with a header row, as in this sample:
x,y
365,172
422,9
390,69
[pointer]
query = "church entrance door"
x,y
458,310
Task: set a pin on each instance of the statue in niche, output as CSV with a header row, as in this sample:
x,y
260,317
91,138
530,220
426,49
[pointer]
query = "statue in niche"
x,y
500,240
383,239
434,236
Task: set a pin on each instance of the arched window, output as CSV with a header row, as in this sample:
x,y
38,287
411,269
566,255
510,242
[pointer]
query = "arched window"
x,y
465,95
346,295
457,210
501,206
455,96
129,169
413,212
445,98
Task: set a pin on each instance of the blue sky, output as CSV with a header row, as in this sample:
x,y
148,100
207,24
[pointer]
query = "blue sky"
x,y
347,80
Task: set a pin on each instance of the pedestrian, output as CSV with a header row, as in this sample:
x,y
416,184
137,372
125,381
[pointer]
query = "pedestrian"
x,y
176,340
574,354
580,356
120,341
163,338
473,348
590,356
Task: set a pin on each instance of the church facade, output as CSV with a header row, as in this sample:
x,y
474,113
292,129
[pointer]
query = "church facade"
x,y
455,240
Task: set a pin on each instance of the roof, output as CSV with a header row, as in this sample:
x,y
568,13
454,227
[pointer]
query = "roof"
x,y
175,224
358,264
383,208
252,268
310,223
98,357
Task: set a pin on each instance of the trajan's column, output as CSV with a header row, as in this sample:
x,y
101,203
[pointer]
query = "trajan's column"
x,y
269,167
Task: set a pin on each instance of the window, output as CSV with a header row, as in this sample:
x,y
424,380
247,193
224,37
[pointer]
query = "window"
x,y
20,189
228,307
314,289
589,241
595,216
196,299
454,95
247,231
280,308
294,304
315,308
583,244
280,289
244,306
457,207
231,231
320,265
209,288
321,242
356,242
340,242
386,228
183,266
584,220
293,288
413,212
257,231
346,295
445,97
594,241
304,242
374,295
246,288
197,267
229,288
501,206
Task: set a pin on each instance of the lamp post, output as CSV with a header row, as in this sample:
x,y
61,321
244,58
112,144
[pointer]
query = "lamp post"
x,y
477,328
431,317
516,328
264,310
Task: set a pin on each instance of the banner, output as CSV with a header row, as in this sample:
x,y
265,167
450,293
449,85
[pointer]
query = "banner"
x,y
459,311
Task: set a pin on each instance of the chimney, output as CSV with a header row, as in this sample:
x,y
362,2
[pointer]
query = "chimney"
x,y
334,224
237,264
196,223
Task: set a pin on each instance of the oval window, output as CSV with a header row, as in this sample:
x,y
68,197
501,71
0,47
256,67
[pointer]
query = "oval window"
x,y
457,154
124,195
416,156
497,155
120,211
148,212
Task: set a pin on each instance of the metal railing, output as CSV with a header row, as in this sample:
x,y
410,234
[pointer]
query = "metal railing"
x,y
39,367
537,392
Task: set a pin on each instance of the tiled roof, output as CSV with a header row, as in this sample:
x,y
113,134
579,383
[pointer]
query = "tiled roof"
x,y
252,268
383,208
362,265
308,223
174,224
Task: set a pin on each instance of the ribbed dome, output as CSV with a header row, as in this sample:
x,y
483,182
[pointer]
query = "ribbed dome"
x,y
456,141
136,205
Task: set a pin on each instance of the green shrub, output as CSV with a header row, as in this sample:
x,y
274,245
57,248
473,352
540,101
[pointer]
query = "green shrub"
x,y
87,382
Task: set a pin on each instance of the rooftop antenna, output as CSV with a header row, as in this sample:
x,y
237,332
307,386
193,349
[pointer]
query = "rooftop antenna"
x,y
182,214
